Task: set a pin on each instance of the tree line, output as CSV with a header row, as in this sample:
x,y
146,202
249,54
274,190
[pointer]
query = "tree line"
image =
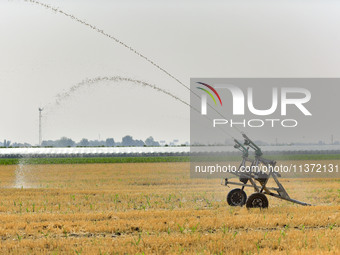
x,y
109,142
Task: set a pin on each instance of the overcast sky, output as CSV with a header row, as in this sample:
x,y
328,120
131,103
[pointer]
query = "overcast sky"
x,y
44,54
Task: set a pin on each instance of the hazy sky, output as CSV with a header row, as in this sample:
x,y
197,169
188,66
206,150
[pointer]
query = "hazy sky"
x,y
44,54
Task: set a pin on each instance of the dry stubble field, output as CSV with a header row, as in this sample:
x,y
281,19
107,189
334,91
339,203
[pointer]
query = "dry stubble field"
x,y
155,208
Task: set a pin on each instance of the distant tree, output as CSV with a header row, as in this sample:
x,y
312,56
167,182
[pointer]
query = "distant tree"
x,y
84,142
97,143
139,143
151,142
127,141
21,145
48,143
65,142
110,142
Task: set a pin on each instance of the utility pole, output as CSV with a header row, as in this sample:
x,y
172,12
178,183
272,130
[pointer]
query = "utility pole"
x,y
40,131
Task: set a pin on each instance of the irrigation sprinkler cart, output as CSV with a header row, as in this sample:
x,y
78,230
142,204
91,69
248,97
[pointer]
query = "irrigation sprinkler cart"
x,y
238,197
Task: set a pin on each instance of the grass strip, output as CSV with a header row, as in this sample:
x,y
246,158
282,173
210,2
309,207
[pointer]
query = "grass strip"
x,y
111,160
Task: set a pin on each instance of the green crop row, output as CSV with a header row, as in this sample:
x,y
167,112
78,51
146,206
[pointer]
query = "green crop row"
x,y
102,160
15,161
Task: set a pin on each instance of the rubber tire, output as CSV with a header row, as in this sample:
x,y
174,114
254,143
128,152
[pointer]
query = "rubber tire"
x,y
257,200
237,192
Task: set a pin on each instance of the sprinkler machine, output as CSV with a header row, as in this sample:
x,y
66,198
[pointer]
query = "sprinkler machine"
x,y
238,197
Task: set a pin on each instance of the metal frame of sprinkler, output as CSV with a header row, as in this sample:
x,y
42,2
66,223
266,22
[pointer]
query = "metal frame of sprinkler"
x,y
238,197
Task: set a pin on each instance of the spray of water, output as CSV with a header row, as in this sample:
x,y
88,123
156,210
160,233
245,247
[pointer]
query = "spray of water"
x,y
98,30
60,98
22,174
115,39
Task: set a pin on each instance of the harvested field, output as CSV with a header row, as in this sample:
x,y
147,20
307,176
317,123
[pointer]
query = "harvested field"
x,y
149,208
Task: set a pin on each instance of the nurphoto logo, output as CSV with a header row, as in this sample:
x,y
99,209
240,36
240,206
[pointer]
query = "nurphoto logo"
x,y
245,99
